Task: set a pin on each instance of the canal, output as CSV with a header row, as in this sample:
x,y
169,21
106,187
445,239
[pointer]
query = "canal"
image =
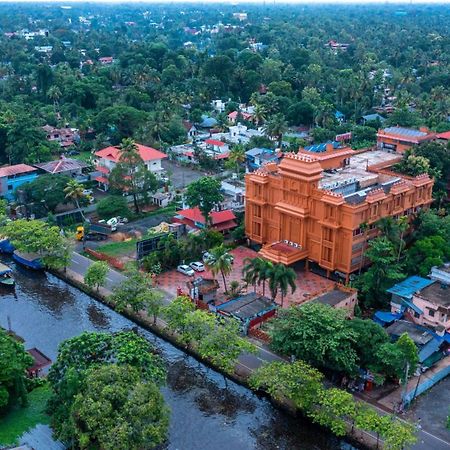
x,y
205,415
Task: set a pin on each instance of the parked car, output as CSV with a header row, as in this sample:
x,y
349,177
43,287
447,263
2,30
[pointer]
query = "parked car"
x,y
185,270
206,256
88,192
197,266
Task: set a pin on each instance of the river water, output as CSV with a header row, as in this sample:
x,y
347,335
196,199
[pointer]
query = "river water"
x,y
205,415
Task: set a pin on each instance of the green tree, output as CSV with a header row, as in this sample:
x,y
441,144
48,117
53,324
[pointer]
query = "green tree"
x,y
384,271
130,175
426,253
116,409
298,382
47,190
205,194
224,345
96,274
275,127
281,278
13,364
152,301
317,334
74,191
176,313
220,261
35,236
112,206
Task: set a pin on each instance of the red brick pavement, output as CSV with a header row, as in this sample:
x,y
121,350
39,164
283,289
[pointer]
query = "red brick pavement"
x,y
308,284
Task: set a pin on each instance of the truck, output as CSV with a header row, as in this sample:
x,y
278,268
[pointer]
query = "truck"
x,y
94,232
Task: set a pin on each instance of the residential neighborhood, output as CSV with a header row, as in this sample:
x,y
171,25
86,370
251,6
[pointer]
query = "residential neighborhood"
x,y
224,226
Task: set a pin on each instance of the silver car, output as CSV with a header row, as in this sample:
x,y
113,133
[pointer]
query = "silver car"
x,y
197,266
185,270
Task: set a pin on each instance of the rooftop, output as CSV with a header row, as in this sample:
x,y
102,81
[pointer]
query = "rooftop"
x,y
319,148
407,288
419,335
437,293
217,217
146,153
333,297
247,306
445,136
17,169
408,132
61,165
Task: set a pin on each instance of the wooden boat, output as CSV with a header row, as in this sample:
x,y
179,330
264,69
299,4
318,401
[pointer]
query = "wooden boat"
x,y
6,275
29,260
6,246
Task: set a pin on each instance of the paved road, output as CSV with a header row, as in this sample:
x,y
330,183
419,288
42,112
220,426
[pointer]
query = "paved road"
x,y
426,440
80,265
181,176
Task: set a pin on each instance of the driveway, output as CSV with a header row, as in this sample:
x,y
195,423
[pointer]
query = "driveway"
x,y
181,176
307,283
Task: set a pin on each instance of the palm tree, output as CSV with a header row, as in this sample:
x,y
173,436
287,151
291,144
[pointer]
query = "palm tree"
x,y
403,225
236,158
251,271
220,261
74,191
280,279
259,114
54,94
275,127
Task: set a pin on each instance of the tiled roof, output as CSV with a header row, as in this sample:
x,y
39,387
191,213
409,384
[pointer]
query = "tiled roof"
x,y
445,135
215,142
61,165
8,171
217,217
146,153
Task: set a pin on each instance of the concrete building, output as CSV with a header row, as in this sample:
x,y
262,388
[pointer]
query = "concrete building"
x,y
399,139
299,211
107,159
12,177
340,297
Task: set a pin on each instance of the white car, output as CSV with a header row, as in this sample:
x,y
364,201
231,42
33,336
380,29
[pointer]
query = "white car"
x,y
185,270
206,256
88,192
197,266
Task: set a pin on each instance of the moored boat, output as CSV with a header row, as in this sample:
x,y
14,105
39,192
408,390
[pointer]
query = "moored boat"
x,y
29,260
6,275
6,246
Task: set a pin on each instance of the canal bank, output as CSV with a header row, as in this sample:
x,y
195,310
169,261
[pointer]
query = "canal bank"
x,y
241,373
206,414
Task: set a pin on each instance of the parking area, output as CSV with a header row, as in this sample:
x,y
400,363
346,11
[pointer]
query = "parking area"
x,y
181,176
307,283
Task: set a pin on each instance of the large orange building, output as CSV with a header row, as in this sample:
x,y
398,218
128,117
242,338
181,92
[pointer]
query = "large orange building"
x,y
301,209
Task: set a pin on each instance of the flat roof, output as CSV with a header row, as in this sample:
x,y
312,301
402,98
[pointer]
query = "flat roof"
x,y
419,335
436,292
356,171
333,297
247,306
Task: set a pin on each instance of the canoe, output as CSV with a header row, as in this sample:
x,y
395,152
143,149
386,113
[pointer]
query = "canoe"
x,y
29,260
6,246
6,275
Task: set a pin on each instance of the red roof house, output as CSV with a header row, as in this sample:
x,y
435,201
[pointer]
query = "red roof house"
x,y
221,220
445,137
232,117
108,157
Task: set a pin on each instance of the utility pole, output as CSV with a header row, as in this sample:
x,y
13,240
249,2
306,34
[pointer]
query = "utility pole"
x,y
405,386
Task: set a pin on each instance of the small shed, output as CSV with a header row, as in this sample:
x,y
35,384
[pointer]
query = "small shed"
x,y
40,362
250,310
203,289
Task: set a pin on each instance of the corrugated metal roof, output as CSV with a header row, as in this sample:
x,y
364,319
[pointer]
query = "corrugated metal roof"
x,y
405,131
407,288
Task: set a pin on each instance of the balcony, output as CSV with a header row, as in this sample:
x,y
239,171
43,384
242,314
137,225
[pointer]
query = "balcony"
x,y
281,252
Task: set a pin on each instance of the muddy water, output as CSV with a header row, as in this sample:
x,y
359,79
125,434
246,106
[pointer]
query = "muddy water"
x,y
205,414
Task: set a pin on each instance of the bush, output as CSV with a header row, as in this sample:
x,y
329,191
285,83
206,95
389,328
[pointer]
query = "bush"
x,y
113,206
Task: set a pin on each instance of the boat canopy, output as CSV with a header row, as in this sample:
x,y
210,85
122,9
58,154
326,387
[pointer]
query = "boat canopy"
x,y
4,269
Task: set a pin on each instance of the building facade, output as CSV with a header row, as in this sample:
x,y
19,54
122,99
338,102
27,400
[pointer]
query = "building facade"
x,y
399,139
12,177
298,211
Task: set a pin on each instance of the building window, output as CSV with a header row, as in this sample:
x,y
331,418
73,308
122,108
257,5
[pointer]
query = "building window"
x,y
416,315
257,211
431,313
257,228
357,232
10,187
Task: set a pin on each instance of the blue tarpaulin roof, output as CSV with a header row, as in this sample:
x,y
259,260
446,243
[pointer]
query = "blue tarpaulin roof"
x,y
428,349
384,317
407,288
412,306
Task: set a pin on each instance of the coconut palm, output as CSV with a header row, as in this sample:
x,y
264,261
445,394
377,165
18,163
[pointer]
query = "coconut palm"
x,y
54,94
74,191
220,261
403,225
281,278
364,227
251,271
259,114
275,127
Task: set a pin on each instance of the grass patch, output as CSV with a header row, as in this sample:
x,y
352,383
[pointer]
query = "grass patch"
x,y
171,209
116,249
83,156
19,420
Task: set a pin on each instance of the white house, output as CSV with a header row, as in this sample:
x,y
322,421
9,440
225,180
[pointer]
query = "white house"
x,y
108,157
